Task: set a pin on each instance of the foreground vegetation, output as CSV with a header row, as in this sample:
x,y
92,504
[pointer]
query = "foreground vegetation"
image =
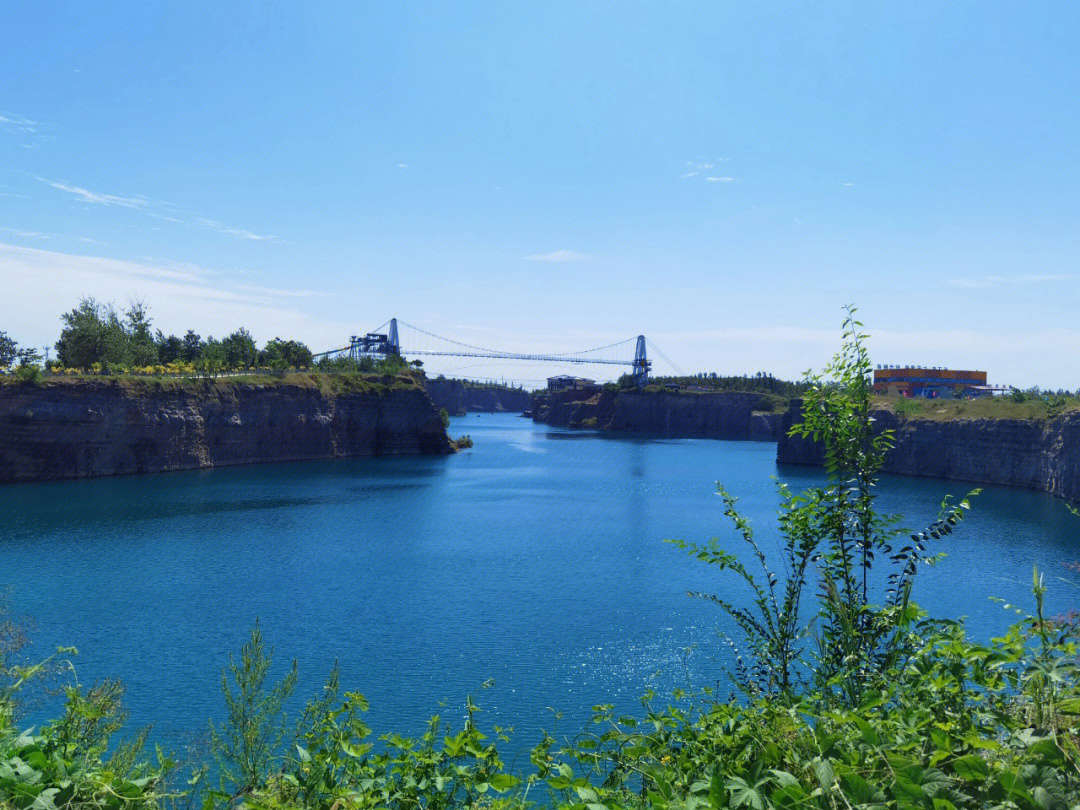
x,y
843,693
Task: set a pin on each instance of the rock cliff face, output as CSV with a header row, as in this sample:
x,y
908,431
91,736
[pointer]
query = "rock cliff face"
x,y
721,415
91,428
1034,454
459,398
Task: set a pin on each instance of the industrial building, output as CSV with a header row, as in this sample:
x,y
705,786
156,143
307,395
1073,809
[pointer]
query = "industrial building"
x,y
930,382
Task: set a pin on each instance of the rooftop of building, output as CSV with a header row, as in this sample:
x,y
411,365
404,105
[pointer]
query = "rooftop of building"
x,y
570,378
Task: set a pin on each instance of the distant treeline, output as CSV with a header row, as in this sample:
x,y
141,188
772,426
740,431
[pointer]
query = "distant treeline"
x,y
760,383
490,384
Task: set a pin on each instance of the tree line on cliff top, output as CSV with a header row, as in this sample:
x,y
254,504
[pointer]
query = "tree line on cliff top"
x,y
840,692
96,337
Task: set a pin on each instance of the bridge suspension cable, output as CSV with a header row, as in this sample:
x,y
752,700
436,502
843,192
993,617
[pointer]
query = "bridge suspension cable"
x,y
448,340
481,351
609,346
666,358
376,343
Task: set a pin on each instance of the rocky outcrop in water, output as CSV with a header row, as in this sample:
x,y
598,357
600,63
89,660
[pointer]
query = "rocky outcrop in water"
x,y
459,397
718,415
1042,454
91,428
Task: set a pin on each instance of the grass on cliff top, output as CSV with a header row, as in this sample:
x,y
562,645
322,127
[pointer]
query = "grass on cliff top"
x,y
332,384
1002,407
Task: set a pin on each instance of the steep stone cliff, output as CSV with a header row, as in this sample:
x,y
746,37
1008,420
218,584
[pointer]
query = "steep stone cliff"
x,y
91,428
460,398
1041,454
720,415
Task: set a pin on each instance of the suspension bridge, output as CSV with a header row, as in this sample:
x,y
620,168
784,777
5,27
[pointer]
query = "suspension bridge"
x,y
405,340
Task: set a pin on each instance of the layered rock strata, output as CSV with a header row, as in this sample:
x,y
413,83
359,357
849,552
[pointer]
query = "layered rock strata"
x,y
1042,454
91,428
720,415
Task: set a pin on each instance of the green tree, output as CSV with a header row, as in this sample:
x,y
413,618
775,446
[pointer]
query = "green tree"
x,y
29,357
141,349
272,351
212,359
240,349
169,348
293,352
9,350
92,333
193,346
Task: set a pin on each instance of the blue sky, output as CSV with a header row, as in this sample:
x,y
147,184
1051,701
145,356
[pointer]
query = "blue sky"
x,y
549,177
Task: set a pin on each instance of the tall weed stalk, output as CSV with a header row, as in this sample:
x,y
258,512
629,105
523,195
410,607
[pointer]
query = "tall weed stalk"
x,y
831,537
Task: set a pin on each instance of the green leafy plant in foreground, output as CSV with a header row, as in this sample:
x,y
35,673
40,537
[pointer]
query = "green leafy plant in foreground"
x,y
256,724
68,763
831,538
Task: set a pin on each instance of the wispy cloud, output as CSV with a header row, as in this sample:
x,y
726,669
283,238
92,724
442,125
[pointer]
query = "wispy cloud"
x,y
166,218
695,168
721,179
981,282
278,292
24,234
145,204
18,121
558,256
241,232
96,197
181,295
404,166
31,133
849,184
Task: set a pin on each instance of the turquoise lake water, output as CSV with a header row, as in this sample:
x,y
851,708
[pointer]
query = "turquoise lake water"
x,y
535,559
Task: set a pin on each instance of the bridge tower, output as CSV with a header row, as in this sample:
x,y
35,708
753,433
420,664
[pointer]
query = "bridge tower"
x,y
641,363
394,343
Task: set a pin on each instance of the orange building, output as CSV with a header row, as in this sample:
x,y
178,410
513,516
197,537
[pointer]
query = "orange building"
x,y
919,381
